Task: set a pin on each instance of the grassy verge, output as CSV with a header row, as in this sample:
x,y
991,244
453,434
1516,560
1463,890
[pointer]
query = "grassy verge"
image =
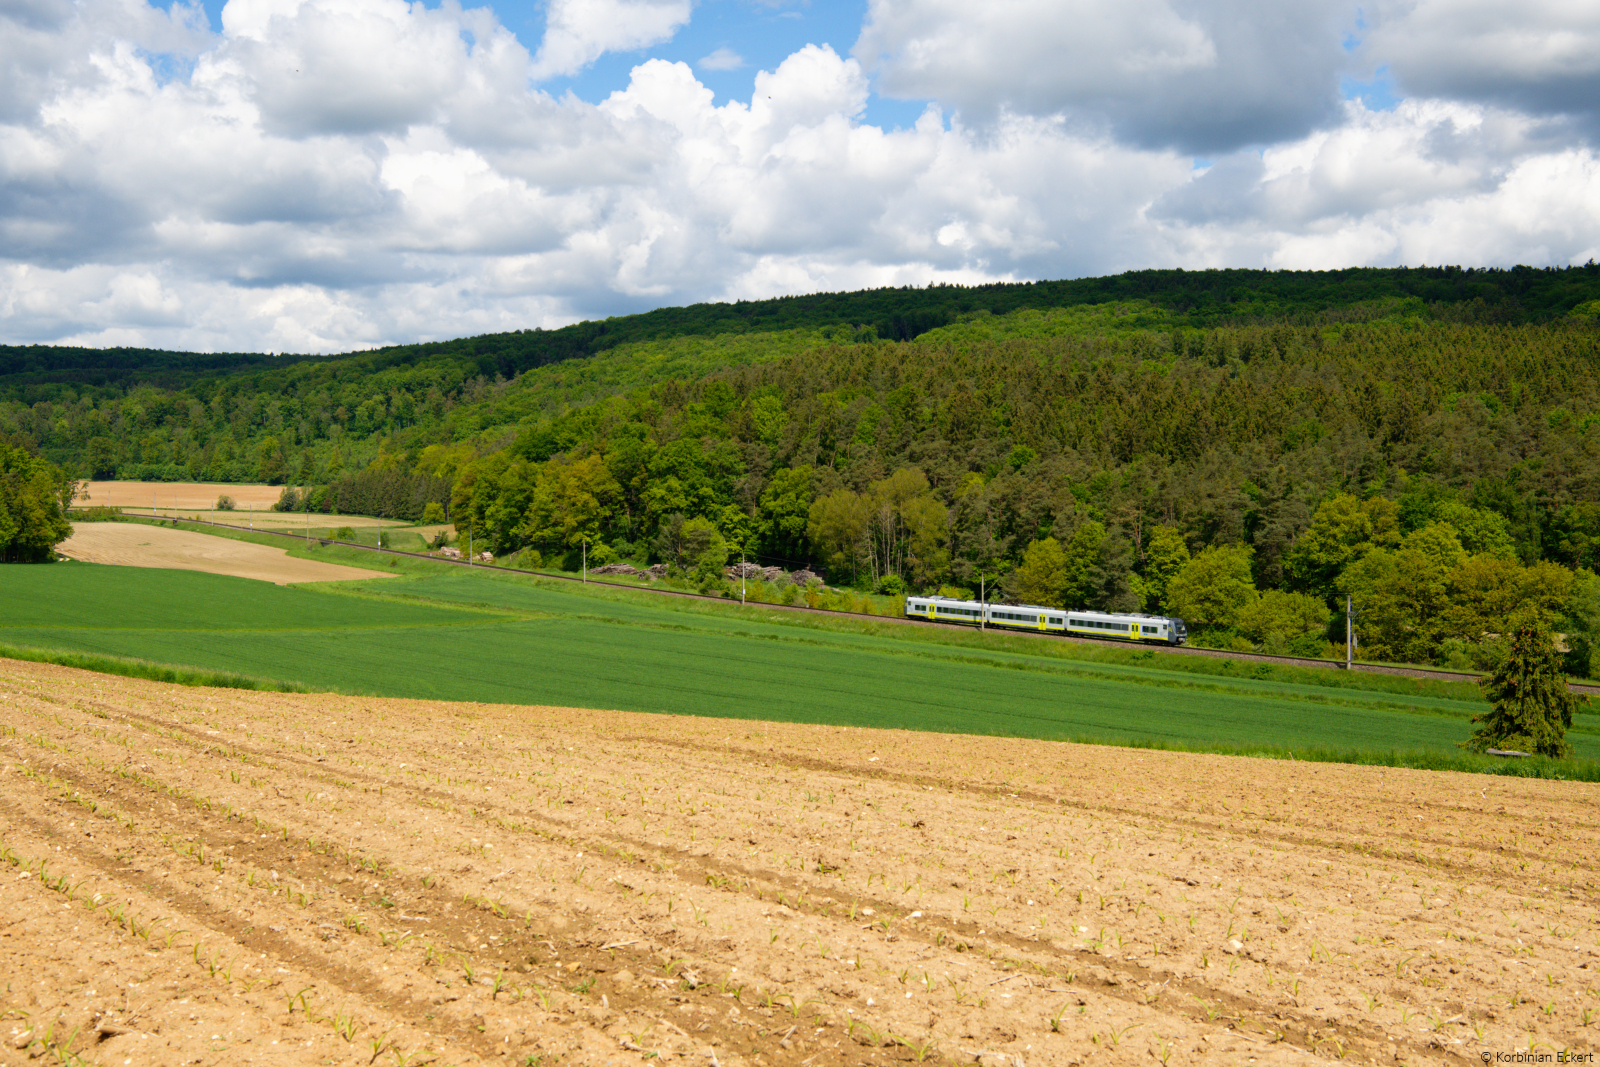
x,y
1568,770
141,668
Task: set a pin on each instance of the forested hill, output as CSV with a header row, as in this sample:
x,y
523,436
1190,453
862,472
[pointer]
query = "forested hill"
x,y
1188,299
1238,448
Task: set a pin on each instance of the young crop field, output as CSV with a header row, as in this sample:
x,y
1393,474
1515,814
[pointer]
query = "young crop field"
x,y
514,640
217,876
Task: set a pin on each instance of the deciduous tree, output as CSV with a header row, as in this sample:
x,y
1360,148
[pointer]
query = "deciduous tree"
x,y
1343,530
1214,588
1041,577
1165,555
34,497
1275,618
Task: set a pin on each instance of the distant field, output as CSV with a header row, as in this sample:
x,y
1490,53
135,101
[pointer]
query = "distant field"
x,y
131,544
498,639
252,506
186,496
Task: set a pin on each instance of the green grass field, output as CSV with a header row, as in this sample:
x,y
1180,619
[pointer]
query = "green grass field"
x,y
451,634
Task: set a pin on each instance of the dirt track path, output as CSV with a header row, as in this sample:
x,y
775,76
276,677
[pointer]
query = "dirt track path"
x,y
129,544
361,879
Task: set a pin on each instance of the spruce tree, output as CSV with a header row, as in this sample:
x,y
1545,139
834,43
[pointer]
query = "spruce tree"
x,y
1530,704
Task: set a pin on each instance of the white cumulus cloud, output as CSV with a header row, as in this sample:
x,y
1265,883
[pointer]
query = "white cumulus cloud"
x,y
325,174
1542,56
723,58
578,32
1202,76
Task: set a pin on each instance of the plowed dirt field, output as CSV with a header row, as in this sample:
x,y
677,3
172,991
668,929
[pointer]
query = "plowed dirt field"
x,y
228,877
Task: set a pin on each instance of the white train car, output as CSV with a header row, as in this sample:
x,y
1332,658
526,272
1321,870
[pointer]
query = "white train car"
x,y
1159,629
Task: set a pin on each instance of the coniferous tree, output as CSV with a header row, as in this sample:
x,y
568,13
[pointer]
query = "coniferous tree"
x,y
1530,705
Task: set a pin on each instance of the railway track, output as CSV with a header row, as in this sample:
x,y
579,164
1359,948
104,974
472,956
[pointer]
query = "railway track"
x,y
1182,650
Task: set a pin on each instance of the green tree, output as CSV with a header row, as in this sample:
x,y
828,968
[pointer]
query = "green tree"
x,y
1113,585
837,526
1403,594
1214,588
34,497
906,528
785,510
1493,595
668,545
270,462
101,457
489,501
1481,531
1344,529
570,503
1582,625
1165,554
1530,705
927,531
1041,577
1082,562
704,549
1275,618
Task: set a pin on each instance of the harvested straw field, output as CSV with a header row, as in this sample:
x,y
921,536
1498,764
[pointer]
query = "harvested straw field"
x,y
139,545
185,496
227,877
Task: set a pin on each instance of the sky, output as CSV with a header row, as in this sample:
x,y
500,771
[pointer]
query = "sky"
x,y
328,175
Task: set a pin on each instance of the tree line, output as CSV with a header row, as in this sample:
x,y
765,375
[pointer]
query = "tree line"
x,y
153,415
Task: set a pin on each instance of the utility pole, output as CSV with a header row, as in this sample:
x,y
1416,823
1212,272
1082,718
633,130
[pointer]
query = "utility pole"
x,y
1349,633
741,575
586,559
983,596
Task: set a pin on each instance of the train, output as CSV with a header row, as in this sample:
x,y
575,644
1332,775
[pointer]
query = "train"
x,y
1153,629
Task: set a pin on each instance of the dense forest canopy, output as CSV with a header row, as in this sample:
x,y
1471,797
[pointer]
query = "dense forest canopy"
x,y
1245,448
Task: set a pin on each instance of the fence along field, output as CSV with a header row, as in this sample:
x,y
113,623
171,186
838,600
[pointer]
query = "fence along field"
x,y
513,640
289,879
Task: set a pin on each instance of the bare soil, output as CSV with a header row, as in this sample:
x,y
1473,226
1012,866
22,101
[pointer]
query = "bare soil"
x,y
137,545
232,877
